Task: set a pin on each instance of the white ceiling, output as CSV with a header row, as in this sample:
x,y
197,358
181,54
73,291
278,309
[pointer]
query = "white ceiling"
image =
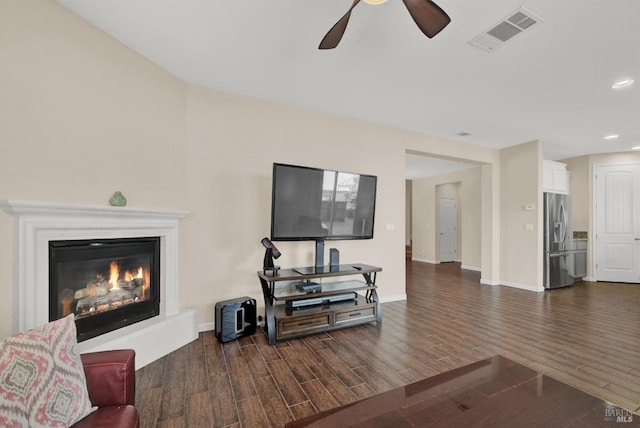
x,y
551,83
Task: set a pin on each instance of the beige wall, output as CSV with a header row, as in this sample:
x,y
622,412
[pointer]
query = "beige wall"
x,y
466,187
491,222
82,116
521,184
444,148
423,221
407,211
233,142
580,190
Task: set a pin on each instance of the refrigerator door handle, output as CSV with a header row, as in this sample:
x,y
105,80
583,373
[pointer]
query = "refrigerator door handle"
x,y
563,215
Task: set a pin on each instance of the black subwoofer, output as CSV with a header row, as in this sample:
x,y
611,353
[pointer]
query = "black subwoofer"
x,y
235,318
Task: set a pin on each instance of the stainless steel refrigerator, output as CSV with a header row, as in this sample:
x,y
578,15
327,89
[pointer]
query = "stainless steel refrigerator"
x,y
558,241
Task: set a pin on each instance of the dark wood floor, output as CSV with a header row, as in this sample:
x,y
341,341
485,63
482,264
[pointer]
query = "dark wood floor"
x,y
587,336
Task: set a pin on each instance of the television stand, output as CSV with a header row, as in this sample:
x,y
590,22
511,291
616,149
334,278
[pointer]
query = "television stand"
x,y
290,312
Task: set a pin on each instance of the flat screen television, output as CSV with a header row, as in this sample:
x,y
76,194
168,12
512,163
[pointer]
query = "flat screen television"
x,y
314,204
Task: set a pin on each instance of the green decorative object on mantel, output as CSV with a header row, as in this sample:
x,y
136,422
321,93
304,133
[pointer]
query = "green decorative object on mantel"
x,y
118,199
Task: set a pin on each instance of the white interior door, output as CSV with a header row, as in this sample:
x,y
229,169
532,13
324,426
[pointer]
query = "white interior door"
x,y
617,215
448,232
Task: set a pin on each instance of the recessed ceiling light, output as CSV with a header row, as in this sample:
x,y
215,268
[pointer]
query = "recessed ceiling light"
x,y
622,83
611,137
635,148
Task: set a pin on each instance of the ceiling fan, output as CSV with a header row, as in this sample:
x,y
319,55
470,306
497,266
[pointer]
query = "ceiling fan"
x,y
427,15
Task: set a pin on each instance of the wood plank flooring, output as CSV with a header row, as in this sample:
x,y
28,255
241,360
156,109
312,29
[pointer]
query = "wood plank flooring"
x,y
587,336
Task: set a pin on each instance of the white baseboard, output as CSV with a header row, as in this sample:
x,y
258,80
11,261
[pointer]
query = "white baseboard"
x,y
207,326
473,268
487,282
433,262
395,298
522,286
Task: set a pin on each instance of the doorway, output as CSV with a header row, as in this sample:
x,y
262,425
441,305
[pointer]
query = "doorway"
x,y
617,223
464,185
448,229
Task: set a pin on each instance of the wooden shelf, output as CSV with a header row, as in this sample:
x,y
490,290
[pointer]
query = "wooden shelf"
x,y
300,322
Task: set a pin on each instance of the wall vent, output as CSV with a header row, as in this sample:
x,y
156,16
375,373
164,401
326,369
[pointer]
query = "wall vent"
x,y
511,26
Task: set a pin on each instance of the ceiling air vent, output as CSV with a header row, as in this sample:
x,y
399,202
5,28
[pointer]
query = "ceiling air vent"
x,y
505,30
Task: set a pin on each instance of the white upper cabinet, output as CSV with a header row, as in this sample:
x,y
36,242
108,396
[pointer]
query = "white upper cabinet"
x,y
555,177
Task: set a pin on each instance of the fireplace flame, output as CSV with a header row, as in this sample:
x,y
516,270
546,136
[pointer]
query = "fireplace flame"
x,y
123,287
114,275
138,274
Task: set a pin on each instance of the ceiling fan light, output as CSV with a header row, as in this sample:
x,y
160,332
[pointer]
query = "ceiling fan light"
x,y
622,83
374,2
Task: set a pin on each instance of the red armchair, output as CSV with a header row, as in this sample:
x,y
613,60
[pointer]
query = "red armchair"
x,y
111,382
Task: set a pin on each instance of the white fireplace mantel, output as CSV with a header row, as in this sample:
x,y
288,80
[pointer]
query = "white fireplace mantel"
x,y
37,223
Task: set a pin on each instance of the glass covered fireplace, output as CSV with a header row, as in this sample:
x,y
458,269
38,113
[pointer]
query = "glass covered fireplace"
x,y
107,283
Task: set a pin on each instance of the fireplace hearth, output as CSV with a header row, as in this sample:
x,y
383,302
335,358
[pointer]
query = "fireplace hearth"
x,y
107,283
36,224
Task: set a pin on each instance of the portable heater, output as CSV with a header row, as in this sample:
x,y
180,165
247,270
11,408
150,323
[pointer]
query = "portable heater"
x,y
235,318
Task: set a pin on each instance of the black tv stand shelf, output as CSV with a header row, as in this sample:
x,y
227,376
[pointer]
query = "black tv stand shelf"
x,y
302,316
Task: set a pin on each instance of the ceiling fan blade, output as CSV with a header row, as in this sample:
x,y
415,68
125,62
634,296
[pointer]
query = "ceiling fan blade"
x,y
333,37
428,16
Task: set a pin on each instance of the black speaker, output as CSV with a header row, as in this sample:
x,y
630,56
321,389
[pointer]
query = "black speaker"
x,y
235,318
319,253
